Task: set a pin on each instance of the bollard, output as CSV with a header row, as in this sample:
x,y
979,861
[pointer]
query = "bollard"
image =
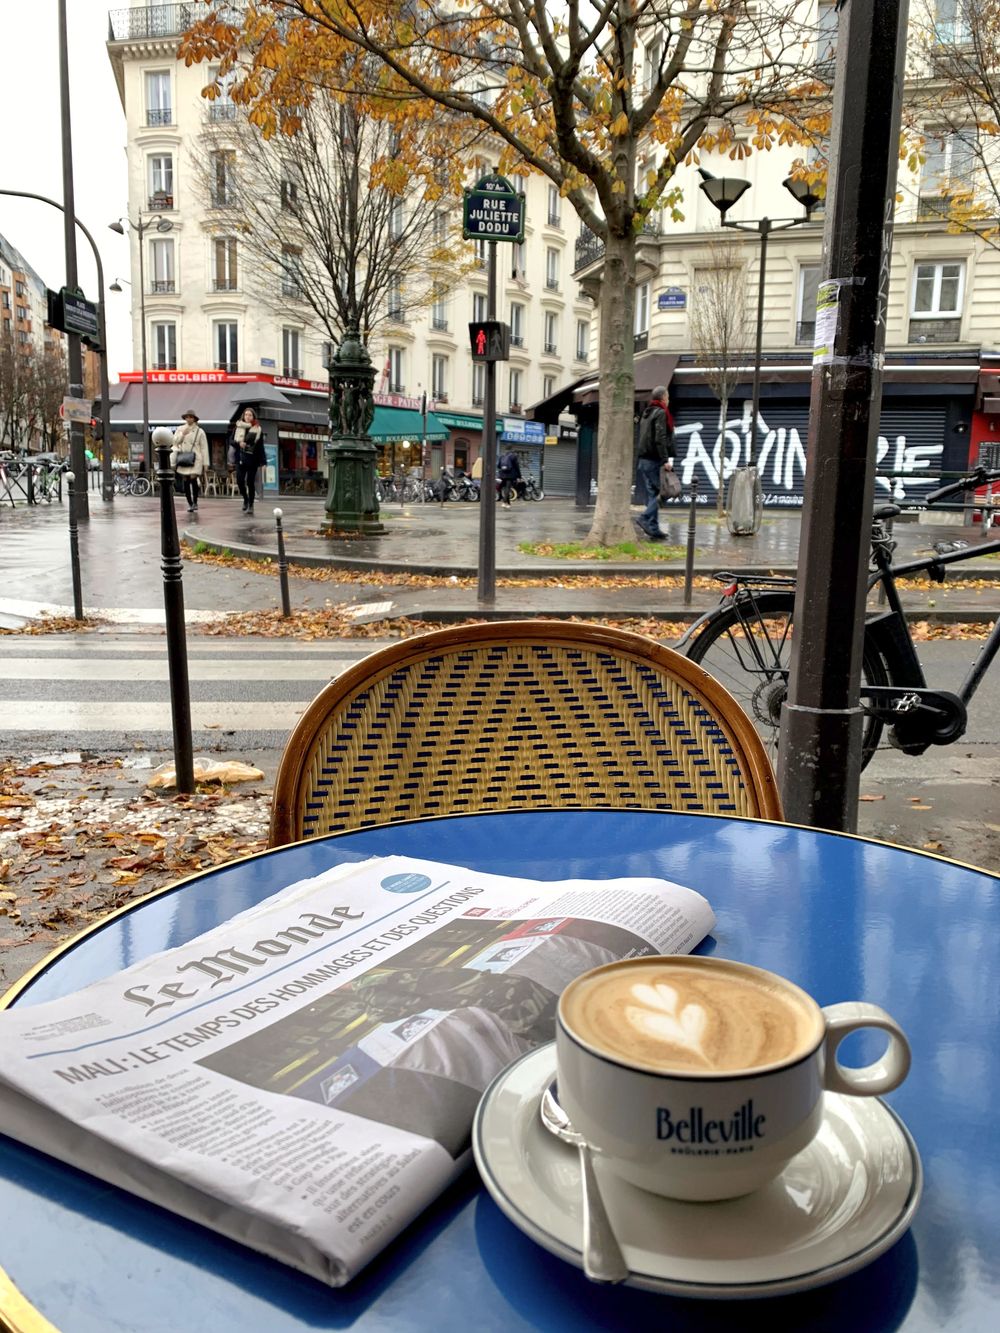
x,y
286,601
74,549
689,560
173,605
31,484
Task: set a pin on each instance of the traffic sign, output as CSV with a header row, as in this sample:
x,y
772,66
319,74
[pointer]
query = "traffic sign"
x,y
489,340
73,313
493,211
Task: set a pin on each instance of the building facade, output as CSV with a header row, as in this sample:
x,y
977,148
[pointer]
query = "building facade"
x,y
212,326
939,402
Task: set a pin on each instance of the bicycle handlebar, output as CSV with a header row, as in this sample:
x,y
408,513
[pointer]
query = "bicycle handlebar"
x,y
970,482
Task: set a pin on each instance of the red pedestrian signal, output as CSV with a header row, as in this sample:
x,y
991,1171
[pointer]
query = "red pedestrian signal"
x,y
490,340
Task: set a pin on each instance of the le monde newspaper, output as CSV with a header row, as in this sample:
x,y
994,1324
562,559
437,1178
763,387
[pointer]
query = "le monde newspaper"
x,y
303,1078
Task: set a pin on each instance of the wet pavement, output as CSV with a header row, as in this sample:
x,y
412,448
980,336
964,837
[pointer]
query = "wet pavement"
x,y
120,560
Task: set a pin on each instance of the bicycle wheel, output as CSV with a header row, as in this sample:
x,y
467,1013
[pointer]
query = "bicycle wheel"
x,y
140,486
747,648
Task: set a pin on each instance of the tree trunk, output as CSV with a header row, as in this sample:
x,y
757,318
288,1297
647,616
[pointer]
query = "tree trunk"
x,y
616,364
720,500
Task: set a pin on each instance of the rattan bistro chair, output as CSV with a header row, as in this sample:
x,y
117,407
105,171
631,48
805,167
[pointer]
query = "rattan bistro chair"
x,y
518,715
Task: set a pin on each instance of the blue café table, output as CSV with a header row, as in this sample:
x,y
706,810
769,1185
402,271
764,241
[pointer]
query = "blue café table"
x,y
845,917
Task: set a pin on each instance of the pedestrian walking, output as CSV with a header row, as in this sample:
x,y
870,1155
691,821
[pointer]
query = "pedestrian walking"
x,y
189,457
510,475
656,450
248,439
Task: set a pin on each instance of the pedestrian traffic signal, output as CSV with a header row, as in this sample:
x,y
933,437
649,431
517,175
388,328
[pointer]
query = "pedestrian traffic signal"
x,y
489,340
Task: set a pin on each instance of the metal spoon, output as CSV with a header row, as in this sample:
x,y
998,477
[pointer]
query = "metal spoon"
x,y
602,1256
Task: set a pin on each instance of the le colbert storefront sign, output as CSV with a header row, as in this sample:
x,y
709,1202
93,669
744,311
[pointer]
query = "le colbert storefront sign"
x,y
255,377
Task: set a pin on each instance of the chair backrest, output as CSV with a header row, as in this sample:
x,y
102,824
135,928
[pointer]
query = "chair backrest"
x,y
518,715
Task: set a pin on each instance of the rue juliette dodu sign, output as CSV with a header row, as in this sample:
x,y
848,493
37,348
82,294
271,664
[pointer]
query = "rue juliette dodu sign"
x,y
492,210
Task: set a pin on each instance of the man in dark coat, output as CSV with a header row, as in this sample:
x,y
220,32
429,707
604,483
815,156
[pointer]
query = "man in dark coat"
x,y
656,447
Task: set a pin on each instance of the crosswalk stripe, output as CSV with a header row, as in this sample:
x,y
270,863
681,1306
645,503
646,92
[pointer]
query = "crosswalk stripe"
x,y
75,715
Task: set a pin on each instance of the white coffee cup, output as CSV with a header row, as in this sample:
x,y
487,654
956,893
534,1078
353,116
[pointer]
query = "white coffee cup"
x,y
701,1078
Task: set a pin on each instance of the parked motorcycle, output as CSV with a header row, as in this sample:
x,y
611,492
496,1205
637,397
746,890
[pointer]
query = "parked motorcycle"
x,y
524,488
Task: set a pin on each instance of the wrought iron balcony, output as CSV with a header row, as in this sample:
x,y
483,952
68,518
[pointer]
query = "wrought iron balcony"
x,y
550,349
156,21
589,248
440,322
162,285
805,332
231,366
161,200
224,284
552,283
477,400
517,340
292,372
641,342
554,219
162,115
219,110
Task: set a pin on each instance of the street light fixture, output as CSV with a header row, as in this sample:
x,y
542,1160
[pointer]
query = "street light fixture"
x,y
724,192
140,228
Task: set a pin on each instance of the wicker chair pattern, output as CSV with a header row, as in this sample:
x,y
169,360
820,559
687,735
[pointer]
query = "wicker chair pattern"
x,y
522,715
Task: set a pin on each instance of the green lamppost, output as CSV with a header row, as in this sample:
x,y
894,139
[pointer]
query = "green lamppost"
x,y
351,505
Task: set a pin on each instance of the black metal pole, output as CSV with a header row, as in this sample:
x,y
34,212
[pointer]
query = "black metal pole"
x,y
764,227
286,601
147,446
820,745
74,354
689,558
74,551
487,489
173,605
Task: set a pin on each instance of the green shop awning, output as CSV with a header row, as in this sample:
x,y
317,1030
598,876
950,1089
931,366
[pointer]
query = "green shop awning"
x,y
459,421
403,423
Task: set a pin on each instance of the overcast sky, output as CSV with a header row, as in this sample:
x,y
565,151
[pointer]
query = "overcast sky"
x,y
31,152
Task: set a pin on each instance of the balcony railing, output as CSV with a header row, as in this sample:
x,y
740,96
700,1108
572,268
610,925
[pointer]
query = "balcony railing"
x,y
517,340
478,399
160,199
589,248
224,285
805,332
169,364
582,355
219,110
160,116
153,21
930,206
440,322
554,219
292,372
397,386
550,349
231,366
439,395
641,342
397,314
223,199
552,283
162,285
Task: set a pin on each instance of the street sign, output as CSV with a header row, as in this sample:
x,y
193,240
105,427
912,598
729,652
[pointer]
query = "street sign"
x,y
77,409
489,340
672,298
72,313
493,211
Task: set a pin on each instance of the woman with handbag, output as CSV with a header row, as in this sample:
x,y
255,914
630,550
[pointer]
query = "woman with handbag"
x,y
248,441
189,457
657,451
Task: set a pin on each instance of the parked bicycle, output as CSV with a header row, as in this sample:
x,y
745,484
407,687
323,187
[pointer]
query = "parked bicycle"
x,y
746,642
132,483
524,488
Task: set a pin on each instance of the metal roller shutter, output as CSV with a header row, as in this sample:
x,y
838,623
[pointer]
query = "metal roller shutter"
x,y
560,469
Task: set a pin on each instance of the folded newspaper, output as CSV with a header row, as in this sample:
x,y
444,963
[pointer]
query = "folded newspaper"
x,y
303,1078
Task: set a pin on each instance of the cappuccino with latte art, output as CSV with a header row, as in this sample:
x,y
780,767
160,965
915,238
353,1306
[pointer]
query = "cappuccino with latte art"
x,y
701,1078
664,1014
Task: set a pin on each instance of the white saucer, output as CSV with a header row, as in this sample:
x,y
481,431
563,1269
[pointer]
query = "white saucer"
x,y
838,1205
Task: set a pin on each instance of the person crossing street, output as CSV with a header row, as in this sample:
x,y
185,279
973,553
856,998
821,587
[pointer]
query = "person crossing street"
x,y
189,457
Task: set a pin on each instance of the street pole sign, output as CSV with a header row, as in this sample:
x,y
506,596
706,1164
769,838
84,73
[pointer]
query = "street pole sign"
x,y
72,313
76,409
493,211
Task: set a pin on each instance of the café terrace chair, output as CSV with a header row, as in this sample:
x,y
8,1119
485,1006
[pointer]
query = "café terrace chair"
x,y
518,715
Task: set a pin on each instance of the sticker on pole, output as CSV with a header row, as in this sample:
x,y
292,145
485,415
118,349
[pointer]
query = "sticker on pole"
x,y
827,320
